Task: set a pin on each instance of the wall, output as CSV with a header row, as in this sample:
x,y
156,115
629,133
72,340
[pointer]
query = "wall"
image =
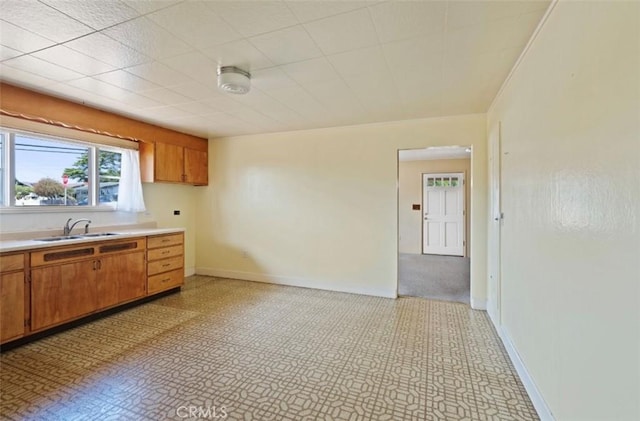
x,y
410,192
160,199
571,198
318,208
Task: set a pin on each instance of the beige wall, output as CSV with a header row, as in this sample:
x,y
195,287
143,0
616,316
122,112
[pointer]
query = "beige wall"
x,y
161,200
318,208
571,198
410,192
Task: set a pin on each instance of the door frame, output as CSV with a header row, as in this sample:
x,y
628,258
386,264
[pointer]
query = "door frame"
x,y
494,229
462,176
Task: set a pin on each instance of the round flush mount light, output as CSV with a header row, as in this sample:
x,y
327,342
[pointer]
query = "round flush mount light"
x,y
234,80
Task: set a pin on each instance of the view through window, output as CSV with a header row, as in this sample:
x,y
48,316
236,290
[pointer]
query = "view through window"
x,y
55,172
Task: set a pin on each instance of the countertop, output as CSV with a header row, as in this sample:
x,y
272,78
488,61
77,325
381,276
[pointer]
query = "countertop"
x,y
30,244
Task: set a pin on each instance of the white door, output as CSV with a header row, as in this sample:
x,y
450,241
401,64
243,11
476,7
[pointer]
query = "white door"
x,y
443,207
494,269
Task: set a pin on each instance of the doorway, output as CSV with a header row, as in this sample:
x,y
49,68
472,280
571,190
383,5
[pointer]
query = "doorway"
x,y
433,223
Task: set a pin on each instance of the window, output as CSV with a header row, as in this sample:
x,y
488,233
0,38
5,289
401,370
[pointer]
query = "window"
x,y
40,170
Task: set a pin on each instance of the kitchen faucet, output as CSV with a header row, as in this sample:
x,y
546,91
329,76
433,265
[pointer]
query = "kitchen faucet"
x,y
66,230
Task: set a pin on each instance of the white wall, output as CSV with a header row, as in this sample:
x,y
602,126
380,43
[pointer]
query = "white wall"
x,y
161,200
571,198
318,208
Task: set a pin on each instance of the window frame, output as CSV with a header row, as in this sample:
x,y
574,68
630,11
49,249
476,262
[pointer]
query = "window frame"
x,y
8,199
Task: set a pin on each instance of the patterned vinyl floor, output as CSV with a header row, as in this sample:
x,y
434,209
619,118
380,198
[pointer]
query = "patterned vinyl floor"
x,y
236,350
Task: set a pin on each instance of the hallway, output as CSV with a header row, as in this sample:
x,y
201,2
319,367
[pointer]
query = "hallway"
x,y
444,278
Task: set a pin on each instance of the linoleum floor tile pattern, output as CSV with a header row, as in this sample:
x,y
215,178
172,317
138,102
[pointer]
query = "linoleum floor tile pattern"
x,y
267,352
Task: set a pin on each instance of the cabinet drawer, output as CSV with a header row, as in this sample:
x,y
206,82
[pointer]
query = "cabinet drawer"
x,y
164,240
9,262
165,252
165,265
165,281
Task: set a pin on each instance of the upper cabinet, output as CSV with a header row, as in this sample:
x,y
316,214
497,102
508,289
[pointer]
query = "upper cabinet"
x,y
164,162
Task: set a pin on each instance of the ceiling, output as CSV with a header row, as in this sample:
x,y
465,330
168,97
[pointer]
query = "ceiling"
x,y
313,63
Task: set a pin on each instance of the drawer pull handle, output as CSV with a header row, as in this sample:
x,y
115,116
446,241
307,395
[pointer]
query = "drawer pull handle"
x,y
166,264
118,247
67,254
166,252
165,280
166,240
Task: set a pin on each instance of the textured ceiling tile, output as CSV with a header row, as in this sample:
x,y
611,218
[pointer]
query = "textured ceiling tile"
x,y
287,45
359,62
307,11
71,59
43,20
108,50
196,24
271,79
144,36
400,20
464,13
97,14
20,39
415,53
157,73
196,91
23,78
238,53
148,6
126,80
195,65
43,68
345,32
166,96
311,71
254,17
7,53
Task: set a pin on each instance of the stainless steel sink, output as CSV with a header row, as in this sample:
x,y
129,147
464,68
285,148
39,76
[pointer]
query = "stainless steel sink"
x,y
98,234
59,238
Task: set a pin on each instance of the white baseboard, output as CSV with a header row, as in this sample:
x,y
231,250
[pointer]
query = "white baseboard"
x,y
188,271
532,390
295,282
477,304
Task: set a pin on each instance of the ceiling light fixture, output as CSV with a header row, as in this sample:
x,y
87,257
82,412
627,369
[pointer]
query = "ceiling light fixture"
x,y
234,80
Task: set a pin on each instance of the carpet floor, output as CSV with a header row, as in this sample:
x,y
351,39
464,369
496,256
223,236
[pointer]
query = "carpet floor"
x,y
444,278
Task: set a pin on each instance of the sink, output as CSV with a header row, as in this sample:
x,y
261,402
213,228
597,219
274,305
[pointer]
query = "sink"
x,y
58,238
98,234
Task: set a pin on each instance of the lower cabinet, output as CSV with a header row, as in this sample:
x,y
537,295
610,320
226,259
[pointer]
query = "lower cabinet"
x,y
113,273
62,293
12,315
165,267
46,287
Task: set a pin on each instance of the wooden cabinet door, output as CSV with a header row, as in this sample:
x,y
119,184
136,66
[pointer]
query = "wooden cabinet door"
x,y
11,305
120,278
62,293
169,162
196,167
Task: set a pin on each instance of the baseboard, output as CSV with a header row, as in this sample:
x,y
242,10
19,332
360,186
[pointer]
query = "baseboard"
x,y
477,304
532,390
294,282
188,271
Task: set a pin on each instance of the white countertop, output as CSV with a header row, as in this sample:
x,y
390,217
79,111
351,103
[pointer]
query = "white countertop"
x,y
30,244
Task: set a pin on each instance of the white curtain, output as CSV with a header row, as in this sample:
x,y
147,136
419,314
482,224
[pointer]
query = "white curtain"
x,y
130,197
